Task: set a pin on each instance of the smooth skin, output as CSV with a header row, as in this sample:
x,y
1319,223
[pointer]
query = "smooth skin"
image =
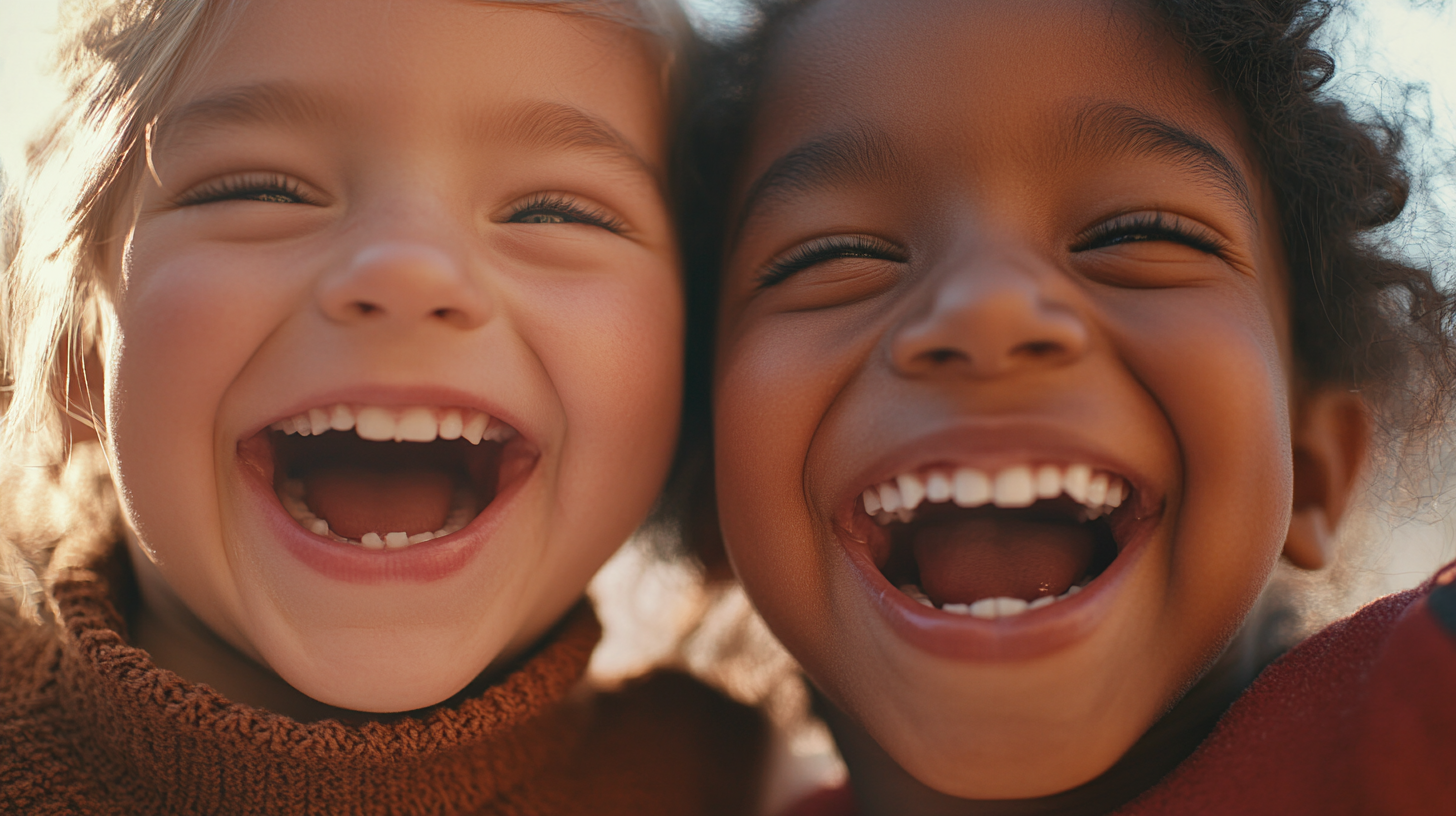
x,y
971,242
439,202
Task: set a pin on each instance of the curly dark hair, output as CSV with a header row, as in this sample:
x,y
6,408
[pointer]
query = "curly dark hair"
x,y
1361,315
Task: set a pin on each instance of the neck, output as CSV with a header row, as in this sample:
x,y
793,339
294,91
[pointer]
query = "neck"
x,y
882,787
178,641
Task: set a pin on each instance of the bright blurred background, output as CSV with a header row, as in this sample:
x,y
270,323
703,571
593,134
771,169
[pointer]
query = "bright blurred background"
x,y
1397,56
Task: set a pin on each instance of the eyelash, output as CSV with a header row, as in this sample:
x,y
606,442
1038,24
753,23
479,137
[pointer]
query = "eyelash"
x,y
246,188
572,212
820,250
1157,226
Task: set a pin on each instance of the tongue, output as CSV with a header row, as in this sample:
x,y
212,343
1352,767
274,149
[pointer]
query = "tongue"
x,y
962,561
356,501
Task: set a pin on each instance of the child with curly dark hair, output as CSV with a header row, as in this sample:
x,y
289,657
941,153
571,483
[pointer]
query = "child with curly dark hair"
x,y
1045,329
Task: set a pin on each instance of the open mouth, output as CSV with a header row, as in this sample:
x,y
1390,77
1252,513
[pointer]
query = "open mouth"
x,y
997,545
387,478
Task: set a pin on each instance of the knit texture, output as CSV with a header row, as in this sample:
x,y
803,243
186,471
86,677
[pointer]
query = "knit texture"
x,y
89,725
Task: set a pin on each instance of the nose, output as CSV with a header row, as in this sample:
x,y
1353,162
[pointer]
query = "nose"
x,y
989,318
403,282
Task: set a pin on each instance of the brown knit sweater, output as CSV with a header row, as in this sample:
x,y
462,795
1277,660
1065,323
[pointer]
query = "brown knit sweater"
x,y
89,725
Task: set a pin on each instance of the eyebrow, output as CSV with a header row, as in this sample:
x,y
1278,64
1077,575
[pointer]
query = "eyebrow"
x,y
863,154
1122,130
253,104
542,124
547,124
856,155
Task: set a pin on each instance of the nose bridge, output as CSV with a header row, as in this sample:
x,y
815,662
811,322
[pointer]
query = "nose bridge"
x,y
992,310
405,267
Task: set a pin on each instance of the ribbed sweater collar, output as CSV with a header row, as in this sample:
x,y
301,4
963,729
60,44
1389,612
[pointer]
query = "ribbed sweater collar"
x,y
189,749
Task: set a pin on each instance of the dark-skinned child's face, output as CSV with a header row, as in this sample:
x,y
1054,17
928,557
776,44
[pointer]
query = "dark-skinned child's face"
x,y
1013,265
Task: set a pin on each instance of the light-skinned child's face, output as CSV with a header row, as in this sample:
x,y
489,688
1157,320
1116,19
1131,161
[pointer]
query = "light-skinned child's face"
x,y
1004,249
398,219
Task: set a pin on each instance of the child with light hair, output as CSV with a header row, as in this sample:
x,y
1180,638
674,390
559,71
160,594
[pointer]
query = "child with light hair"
x,y
343,344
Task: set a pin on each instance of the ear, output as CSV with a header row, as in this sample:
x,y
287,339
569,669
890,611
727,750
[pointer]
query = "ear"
x,y
1331,438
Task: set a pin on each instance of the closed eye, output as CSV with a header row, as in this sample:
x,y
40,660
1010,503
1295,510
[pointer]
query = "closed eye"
x,y
822,250
554,208
270,188
1146,227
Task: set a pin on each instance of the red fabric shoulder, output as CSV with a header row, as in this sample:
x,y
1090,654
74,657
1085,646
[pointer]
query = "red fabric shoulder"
x,y
825,802
1360,718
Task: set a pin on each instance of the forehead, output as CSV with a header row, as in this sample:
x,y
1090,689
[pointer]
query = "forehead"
x,y
944,83
382,67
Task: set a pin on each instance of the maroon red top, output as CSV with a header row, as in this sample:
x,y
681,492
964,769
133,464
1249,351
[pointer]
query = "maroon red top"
x,y
1360,718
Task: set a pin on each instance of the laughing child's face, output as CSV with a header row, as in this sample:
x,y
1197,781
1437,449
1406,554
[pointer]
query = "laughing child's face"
x,y
1010,265
394,363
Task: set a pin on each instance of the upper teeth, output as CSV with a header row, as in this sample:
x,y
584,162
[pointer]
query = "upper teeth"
x,y
1018,486
414,424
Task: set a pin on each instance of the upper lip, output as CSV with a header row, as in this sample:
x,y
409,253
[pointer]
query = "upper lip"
x,y
400,397
991,446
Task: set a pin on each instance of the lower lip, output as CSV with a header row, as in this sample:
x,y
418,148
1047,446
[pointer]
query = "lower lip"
x,y
1032,634
418,563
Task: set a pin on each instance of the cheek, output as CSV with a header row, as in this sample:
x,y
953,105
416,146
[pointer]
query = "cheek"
x,y
612,350
1215,366
774,388
185,325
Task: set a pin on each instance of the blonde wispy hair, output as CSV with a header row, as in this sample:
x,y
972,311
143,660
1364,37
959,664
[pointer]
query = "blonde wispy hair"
x,y
124,63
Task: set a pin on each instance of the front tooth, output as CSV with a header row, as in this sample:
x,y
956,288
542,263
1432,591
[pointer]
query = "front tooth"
x,y
912,490
341,418
1097,490
1014,488
871,501
451,425
375,424
905,515
1045,600
984,608
890,497
302,425
1071,590
416,425
420,538
319,527
957,609
1114,492
1075,482
972,488
318,421
1048,482
372,541
396,540
938,487
1010,606
475,428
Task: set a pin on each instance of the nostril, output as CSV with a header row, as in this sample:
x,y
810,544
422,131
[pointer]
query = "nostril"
x,y
1040,348
941,356
365,308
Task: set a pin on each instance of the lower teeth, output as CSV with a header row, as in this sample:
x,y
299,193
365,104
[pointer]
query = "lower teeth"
x,y
992,608
461,513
